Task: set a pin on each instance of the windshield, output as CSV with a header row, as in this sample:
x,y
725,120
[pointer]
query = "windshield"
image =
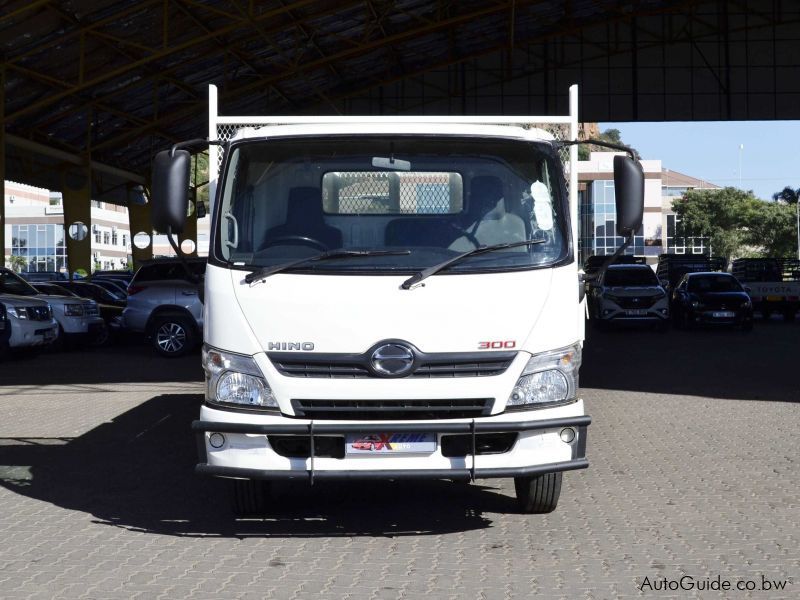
x,y
631,277
11,283
284,200
714,283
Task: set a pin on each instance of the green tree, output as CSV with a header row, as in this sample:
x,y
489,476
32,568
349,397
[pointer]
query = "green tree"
x,y
16,263
199,180
787,195
772,230
722,216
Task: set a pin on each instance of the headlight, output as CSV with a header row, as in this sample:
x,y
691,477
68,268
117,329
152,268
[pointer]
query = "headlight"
x,y
17,311
73,310
547,378
235,379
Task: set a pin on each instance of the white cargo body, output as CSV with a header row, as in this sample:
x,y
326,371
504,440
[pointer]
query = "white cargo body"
x,y
391,297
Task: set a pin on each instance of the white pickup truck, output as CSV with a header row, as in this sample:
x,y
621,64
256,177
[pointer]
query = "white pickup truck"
x,y
393,297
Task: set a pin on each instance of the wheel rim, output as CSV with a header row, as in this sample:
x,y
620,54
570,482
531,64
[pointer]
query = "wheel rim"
x,y
171,337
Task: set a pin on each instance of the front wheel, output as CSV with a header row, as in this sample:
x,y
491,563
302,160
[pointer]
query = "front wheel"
x,y
172,336
539,494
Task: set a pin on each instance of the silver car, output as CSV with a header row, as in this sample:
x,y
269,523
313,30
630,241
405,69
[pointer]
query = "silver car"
x,y
629,293
164,303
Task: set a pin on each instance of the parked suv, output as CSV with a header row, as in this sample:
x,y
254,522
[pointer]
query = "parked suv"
x,y
164,303
630,294
78,319
29,318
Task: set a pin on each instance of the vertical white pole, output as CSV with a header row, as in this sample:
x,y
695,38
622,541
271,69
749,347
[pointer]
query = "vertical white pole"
x,y
213,155
573,165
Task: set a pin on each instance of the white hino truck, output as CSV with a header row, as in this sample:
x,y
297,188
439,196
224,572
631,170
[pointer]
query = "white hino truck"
x,y
391,298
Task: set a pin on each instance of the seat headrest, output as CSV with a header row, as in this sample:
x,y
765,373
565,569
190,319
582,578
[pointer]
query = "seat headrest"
x,y
486,197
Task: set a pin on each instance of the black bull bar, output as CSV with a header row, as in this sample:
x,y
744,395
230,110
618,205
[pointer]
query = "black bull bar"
x,y
473,427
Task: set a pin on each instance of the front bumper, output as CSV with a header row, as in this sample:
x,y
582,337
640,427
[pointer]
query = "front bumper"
x,y
539,449
657,313
26,333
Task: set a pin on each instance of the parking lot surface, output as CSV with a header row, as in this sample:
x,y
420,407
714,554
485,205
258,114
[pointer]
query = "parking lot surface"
x,y
694,474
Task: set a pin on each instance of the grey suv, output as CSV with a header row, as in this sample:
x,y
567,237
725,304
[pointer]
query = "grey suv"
x,y
164,303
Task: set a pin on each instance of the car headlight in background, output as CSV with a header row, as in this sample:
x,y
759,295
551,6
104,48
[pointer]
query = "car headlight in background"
x,y
73,310
549,377
235,379
17,311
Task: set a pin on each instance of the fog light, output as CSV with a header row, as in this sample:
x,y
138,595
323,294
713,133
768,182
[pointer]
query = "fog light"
x,y
567,435
216,440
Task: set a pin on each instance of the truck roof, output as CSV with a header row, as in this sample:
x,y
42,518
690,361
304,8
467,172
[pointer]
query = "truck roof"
x,y
385,126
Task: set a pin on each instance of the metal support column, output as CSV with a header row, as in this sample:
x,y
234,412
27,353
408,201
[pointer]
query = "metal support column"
x,y
76,190
3,163
139,222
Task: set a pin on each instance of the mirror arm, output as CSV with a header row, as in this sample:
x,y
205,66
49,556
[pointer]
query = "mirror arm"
x,y
193,144
181,257
617,253
622,148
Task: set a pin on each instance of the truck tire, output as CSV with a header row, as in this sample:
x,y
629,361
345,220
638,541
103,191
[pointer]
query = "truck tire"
x,y
172,335
539,494
249,496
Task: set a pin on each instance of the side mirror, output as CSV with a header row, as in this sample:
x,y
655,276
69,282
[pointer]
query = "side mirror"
x,y
747,289
629,195
170,191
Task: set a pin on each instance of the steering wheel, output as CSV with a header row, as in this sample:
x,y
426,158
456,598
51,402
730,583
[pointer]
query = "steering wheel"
x,y
296,239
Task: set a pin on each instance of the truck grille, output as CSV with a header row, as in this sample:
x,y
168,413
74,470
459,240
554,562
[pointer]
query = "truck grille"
x,y
361,410
332,366
629,302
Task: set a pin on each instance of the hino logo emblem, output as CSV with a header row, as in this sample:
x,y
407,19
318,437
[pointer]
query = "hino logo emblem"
x,y
308,346
392,360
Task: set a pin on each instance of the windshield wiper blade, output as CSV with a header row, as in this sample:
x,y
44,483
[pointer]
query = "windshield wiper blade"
x,y
329,255
415,280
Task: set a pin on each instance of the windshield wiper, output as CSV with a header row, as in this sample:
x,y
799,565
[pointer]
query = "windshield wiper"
x,y
414,280
329,255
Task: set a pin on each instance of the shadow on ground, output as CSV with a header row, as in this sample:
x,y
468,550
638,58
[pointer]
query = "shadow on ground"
x,y
763,364
136,472
129,361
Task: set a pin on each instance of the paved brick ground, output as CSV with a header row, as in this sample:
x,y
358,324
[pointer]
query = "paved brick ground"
x,y
694,472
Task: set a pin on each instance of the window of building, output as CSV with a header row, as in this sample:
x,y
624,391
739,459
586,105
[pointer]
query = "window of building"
x,y
42,246
677,243
125,240
114,237
599,222
106,237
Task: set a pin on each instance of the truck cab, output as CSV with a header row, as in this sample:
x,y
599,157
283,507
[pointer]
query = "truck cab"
x,y
393,299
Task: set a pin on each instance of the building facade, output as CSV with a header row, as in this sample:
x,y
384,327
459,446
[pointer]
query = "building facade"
x,y
34,231
660,231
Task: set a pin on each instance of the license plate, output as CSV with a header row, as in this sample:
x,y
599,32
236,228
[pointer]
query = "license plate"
x,y
636,312
723,314
390,443
774,298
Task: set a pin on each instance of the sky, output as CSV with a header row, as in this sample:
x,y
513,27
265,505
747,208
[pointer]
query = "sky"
x,y
770,156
